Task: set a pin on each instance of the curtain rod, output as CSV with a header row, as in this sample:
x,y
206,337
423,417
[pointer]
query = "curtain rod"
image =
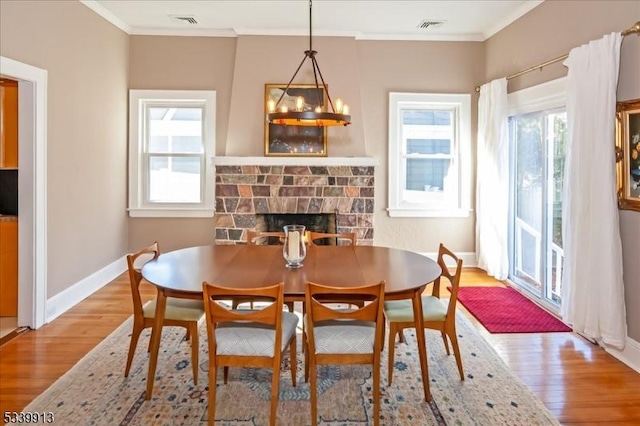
x,y
635,29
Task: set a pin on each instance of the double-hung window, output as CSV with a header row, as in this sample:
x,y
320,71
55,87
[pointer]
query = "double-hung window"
x,y
429,142
171,145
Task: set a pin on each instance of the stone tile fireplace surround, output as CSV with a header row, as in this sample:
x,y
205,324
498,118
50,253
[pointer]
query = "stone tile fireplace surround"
x,y
247,186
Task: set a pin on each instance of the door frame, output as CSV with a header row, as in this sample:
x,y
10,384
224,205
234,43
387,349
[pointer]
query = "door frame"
x,y
32,190
544,96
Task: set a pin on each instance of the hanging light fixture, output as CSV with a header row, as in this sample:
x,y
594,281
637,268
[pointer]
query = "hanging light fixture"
x,y
306,112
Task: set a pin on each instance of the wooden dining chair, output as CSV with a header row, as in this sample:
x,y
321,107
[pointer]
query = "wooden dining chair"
x,y
338,239
248,338
438,314
270,237
179,312
343,336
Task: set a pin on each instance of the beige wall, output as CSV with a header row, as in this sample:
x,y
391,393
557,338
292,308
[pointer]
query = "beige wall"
x,y
553,29
87,60
263,60
182,63
361,73
431,67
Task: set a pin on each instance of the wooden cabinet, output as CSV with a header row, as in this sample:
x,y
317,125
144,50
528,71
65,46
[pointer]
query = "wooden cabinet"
x,y
8,124
8,267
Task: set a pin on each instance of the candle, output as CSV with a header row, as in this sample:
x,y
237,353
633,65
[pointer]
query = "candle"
x,y
345,109
339,106
271,105
299,103
294,246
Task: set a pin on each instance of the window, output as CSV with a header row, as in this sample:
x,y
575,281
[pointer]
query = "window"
x,y
429,155
537,137
171,143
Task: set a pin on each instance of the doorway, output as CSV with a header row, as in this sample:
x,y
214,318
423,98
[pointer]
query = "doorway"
x,y
32,190
537,141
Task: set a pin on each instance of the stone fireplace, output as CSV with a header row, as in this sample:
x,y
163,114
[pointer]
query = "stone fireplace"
x,y
247,188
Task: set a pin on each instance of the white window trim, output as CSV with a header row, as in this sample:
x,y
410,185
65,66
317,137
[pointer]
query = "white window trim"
x,y
137,207
398,101
549,95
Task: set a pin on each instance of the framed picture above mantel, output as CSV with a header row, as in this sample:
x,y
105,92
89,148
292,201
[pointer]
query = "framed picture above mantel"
x,y
292,141
628,154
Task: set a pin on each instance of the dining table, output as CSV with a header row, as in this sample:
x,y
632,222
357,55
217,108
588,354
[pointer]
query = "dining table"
x,y
181,273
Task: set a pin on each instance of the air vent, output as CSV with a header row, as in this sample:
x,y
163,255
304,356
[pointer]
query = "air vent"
x,y
430,24
184,18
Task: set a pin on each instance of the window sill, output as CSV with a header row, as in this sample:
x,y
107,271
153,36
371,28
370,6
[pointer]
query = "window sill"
x,y
168,213
405,212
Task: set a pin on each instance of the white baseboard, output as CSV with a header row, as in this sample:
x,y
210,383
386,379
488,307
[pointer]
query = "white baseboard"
x,y
68,298
630,355
468,258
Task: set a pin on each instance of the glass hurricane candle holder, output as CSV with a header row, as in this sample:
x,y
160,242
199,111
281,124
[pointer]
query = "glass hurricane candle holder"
x,y
294,249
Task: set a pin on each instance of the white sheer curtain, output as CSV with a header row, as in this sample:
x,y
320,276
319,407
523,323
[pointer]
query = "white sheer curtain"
x,y
492,181
592,286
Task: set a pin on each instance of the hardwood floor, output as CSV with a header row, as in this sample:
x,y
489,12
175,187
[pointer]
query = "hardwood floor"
x,y
579,382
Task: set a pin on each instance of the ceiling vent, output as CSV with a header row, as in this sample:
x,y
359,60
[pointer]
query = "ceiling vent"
x,y
430,24
184,18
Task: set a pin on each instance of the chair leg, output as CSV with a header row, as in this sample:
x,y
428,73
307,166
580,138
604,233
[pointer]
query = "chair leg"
x,y
225,374
304,312
393,330
149,345
313,387
446,342
135,335
376,389
456,350
401,338
275,382
306,362
213,372
293,361
194,351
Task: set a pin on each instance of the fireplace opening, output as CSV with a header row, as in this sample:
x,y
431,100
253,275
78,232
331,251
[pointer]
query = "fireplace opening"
x,y
316,222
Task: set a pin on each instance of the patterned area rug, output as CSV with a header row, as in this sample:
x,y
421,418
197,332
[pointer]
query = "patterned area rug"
x,y
95,392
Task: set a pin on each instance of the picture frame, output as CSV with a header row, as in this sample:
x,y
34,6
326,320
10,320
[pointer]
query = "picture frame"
x,y
628,154
294,141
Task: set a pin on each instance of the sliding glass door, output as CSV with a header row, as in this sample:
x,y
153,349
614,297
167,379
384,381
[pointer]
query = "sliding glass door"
x,y
537,141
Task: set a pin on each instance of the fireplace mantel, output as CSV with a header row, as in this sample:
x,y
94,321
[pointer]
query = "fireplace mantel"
x,y
295,161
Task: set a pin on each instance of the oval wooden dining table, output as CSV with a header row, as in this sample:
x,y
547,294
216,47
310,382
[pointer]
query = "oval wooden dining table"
x,y
180,273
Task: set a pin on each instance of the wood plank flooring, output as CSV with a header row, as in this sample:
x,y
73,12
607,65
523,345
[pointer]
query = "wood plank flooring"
x,y
579,382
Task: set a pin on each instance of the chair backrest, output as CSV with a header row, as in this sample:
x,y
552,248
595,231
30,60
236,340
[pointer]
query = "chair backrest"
x,y
270,238
339,239
317,295
217,312
135,275
451,273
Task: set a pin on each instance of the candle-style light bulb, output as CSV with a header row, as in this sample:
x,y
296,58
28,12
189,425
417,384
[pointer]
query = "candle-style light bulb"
x,y
299,103
271,106
339,105
345,109
318,108
284,108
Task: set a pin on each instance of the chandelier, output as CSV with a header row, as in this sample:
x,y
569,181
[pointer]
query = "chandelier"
x,y
309,112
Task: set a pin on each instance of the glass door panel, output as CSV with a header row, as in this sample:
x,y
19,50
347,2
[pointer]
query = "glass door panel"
x,y
537,164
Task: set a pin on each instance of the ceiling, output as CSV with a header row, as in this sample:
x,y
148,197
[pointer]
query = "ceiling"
x,y
474,20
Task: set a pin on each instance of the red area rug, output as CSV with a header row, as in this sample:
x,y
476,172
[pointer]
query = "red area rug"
x,y
504,310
